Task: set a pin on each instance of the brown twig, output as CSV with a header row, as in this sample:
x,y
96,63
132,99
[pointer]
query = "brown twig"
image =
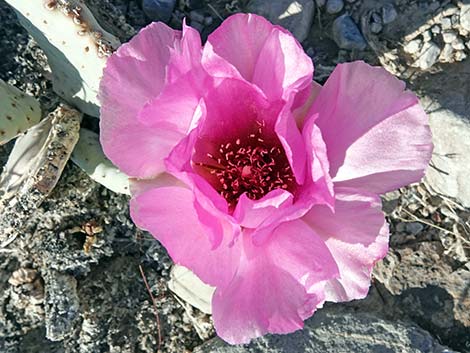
x,y
157,317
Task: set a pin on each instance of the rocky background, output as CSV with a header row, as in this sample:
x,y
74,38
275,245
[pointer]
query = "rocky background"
x,y
81,278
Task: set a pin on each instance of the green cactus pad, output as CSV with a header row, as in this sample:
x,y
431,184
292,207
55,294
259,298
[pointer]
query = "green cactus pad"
x,y
18,112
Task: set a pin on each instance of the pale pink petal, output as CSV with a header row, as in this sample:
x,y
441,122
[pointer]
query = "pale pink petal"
x,y
169,214
356,235
133,76
303,104
276,286
138,186
372,127
291,139
252,213
271,57
318,166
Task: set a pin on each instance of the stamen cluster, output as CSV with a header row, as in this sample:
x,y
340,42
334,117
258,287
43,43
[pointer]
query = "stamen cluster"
x,y
253,165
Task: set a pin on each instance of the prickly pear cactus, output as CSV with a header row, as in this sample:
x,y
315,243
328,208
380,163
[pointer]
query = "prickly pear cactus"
x,y
75,44
18,112
89,156
35,165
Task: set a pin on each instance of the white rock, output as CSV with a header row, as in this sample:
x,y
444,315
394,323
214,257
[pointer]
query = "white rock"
x,y
449,37
428,56
460,55
413,46
465,17
458,44
446,53
446,23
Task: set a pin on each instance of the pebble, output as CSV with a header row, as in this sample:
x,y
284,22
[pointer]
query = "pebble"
x,y
458,44
465,17
389,13
449,37
414,228
446,54
197,16
429,55
436,29
320,3
347,35
446,23
413,46
427,36
376,23
158,10
460,55
334,6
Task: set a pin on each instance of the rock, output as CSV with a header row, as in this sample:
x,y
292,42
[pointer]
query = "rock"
x,y
320,3
449,36
413,46
446,23
427,36
389,13
414,228
436,29
446,53
451,136
296,16
458,44
346,34
376,23
334,6
460,55
332,331
61,305
465,16
423,284
158,10
428,56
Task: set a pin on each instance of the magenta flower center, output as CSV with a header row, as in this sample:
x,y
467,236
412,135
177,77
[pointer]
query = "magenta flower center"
x,y
254,164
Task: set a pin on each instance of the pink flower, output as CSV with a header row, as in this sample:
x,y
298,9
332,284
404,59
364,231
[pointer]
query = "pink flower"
x,y
262,182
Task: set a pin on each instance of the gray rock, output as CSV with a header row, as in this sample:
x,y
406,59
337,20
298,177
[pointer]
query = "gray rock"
x,y
334,6
414,228
451,158
61,305
331,331
389,13
465,17
295,15
158,10
428,56
347,35
423,284
320,3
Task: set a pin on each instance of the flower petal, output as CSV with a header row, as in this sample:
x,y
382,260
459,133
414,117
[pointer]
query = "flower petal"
x,y
168,213
134,75
252,213
357,236
372,127
271,57
276,286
